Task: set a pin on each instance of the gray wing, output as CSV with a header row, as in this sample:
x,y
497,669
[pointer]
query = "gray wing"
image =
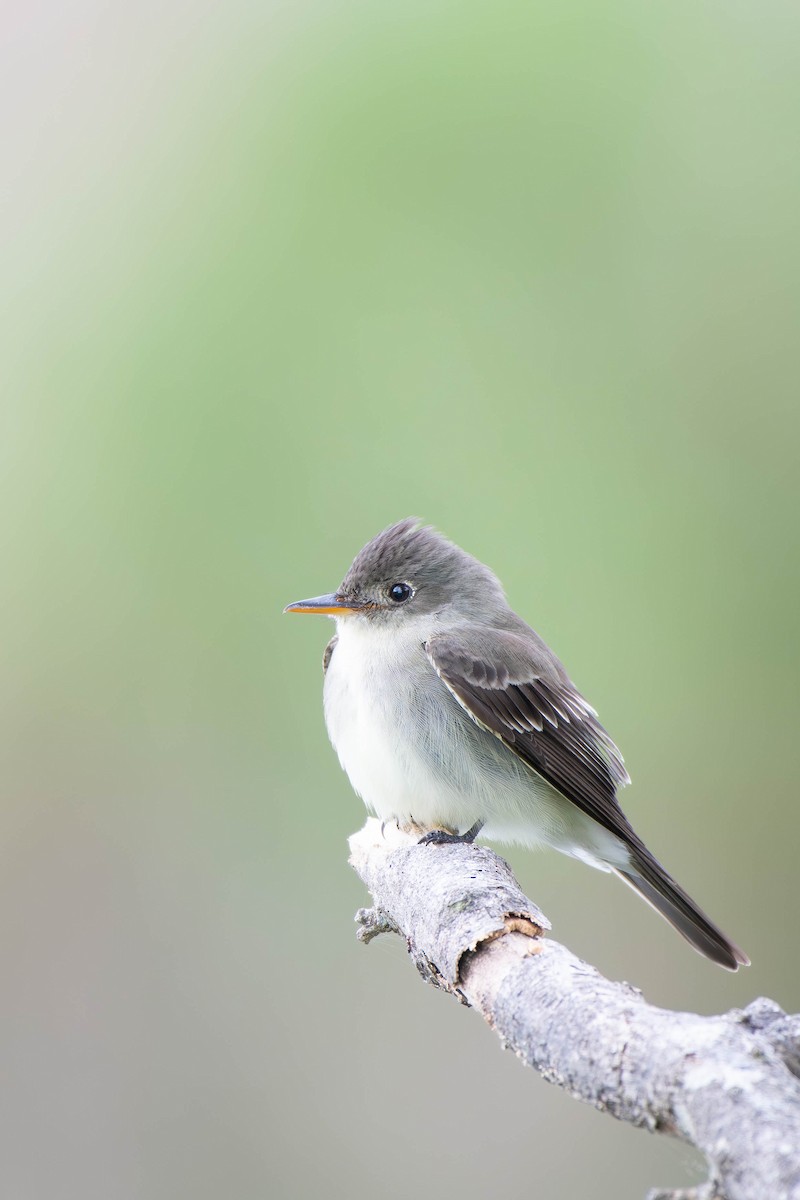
x,y
329,649
514,687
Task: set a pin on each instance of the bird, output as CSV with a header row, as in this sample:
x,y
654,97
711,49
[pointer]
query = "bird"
x,y
452,717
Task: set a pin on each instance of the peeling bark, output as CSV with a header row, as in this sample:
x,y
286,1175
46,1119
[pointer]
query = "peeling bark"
x,y
729,1084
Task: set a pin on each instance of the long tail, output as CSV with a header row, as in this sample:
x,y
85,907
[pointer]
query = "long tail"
x,y
647,877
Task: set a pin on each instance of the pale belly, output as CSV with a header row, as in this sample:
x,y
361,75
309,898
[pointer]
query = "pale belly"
x,y
413,755
379,744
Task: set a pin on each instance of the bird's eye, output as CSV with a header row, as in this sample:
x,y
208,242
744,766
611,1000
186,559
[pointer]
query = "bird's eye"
x,y
400,592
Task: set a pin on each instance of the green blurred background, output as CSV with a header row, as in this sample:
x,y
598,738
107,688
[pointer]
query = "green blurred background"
x,y
275,275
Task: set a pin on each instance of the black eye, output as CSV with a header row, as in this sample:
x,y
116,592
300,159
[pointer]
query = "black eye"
x,y
400,592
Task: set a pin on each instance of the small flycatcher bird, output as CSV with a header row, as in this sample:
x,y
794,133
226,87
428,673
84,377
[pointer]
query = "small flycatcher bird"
x,y
451,716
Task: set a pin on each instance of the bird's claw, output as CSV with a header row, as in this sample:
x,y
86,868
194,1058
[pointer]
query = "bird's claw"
x,y
442,837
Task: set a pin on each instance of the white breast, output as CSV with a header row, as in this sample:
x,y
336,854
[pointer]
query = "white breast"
x,y
369,696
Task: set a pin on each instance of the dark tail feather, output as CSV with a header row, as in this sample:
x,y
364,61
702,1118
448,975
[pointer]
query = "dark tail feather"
x,y
651,881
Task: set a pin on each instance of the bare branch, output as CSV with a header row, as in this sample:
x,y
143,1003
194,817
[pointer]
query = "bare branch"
x,y
726,1084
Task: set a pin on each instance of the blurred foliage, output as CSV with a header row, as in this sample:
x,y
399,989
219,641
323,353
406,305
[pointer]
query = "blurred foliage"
x,y
275,276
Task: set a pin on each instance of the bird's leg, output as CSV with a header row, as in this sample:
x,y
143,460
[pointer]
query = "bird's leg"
x,y
440,837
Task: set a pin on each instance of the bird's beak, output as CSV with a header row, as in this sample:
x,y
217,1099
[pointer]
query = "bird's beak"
x,y
331,606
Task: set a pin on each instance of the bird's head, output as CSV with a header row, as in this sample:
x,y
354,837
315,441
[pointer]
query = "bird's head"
x,y
409,571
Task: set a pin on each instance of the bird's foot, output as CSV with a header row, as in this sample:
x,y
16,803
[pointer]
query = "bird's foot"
x,y
442,837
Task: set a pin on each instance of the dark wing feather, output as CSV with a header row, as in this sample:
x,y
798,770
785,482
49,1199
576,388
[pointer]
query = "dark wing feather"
x,y
517,690
514,687
329,649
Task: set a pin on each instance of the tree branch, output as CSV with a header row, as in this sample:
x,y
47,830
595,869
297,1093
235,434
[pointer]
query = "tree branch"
x,y
729,1085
